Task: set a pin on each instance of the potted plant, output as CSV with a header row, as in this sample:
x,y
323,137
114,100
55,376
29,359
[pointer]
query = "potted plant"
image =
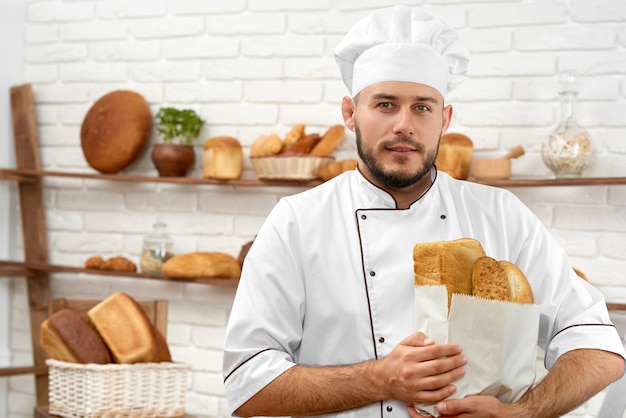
x,y
178,129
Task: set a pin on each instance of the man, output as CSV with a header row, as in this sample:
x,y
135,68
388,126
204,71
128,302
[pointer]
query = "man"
x,y
321,323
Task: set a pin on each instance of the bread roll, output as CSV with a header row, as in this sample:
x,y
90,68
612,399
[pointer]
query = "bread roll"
x,y
447,263
119,263
455,155
295,134
303,146
266,145
125,328
67,336
331,139
222,158
333,169
94,262
490,280
116,130
521,292
202,264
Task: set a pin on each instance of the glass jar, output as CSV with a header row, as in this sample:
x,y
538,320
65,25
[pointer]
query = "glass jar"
x,y
569,149
157,248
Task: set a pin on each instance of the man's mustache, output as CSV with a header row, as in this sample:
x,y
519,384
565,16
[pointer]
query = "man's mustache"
x,y
411,142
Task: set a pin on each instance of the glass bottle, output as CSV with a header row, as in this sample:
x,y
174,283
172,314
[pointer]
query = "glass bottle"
x,y
569,149
157,248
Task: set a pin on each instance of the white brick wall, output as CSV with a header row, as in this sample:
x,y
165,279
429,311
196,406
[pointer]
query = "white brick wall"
x,y
256,66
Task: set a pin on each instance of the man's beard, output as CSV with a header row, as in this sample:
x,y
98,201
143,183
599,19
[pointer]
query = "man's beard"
x,y
397,179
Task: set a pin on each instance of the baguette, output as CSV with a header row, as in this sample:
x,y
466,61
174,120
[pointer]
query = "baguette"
x,y
302,146
331,139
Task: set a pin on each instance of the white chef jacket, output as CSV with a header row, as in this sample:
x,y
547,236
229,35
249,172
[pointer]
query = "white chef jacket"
x,y
329,279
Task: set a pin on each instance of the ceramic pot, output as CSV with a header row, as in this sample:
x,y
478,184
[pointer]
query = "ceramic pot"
x,y
173,160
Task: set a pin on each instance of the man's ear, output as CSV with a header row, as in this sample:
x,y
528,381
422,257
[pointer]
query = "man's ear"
x,y
348,107
447,118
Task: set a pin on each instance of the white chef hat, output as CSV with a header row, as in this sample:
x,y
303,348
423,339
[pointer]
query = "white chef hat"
x,y
402,44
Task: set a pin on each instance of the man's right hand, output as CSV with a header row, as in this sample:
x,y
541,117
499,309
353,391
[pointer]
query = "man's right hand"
x,y
419,371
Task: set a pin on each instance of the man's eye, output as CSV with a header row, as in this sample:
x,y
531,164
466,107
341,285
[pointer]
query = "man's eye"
x,y
422,108
384,105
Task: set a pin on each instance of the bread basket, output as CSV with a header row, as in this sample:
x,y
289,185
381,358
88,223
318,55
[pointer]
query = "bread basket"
x,y
117,390
289,167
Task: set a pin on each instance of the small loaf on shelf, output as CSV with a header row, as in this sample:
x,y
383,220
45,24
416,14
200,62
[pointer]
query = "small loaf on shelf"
x,y
222,158
202,264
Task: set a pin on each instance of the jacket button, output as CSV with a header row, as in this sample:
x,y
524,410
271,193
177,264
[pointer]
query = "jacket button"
x,y
381,340
372,273
389,408
364,217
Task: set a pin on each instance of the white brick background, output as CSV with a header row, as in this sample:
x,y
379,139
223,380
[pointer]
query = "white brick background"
x,y
258,66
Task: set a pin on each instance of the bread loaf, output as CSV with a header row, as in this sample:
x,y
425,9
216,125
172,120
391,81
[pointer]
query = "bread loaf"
x,y
125,328
462,266
303,146
331,139
455,155
115,131
222,158
295,134
335,168
266,145
202,264
67,336
447,263
489,280
521,292
162,349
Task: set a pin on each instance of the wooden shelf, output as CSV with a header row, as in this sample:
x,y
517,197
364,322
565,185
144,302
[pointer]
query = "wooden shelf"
x,y
18,268
31,175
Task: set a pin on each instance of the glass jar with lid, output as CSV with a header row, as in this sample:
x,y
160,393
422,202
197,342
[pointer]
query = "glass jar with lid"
x,y
157,248
569,149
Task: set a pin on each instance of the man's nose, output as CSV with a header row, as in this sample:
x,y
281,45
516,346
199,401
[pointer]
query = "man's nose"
x,y
404,124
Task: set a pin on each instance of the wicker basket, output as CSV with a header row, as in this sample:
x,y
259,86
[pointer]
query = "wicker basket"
x,y
117,390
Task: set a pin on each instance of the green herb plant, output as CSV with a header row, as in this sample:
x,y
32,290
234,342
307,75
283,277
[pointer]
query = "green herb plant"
x,y
178,126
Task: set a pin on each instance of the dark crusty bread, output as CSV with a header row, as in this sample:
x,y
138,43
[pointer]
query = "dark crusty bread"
x,y
125,328
67,336
115,131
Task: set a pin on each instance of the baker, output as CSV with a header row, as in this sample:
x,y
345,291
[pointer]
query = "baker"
x,y
322,319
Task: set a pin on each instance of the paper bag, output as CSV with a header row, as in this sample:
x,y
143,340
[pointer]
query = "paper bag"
x,y
499,340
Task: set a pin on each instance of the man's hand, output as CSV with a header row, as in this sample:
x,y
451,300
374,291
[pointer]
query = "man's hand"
x,y
416,371
420,371
473,407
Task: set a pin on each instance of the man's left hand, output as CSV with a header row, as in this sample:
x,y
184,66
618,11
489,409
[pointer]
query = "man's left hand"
x,y
479,406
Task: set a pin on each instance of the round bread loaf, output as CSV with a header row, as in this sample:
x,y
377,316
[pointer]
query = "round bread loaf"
x,y
115,131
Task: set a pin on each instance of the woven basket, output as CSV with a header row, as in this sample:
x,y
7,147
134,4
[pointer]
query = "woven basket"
x,y
117,390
